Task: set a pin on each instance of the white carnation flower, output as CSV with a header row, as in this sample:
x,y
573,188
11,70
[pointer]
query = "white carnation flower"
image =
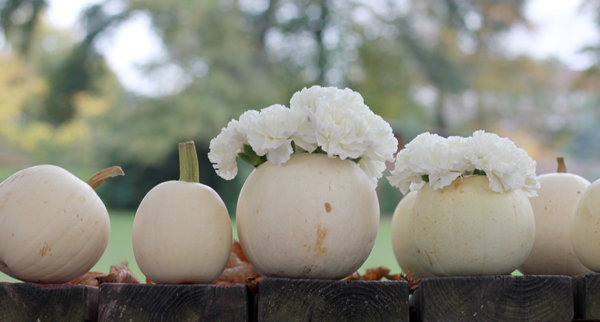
x,y
443,160
337,119
271,132
506,166
373,168
382,144
224,149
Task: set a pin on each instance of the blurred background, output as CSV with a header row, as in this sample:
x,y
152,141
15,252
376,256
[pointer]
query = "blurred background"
x,y
88,84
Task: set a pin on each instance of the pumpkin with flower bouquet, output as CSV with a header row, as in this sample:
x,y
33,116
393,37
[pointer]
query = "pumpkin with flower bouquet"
x,y
471,214
309,208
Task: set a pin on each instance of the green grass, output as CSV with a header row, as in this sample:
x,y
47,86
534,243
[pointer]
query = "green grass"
x,y
119,247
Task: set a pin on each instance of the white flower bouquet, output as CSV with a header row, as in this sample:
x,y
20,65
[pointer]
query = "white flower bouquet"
x,y
438,161
319,120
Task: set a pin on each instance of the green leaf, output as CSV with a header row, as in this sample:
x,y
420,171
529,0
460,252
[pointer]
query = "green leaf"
x,y
425,177
250,157
246,158
260,161
248,150
319,150
357,160
479,172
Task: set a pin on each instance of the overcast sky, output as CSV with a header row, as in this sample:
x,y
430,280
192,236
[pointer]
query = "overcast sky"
x,y
561,29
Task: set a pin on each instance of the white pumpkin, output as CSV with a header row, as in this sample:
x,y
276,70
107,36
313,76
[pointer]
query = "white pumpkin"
x,y
403,250
311,217
468,229
585,227
53,226
552,252
182,232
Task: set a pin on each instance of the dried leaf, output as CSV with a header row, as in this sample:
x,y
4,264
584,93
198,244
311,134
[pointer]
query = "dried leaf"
x,y
238,274
377,273
253,282
234,261
88,279
354,277
119,274
236,248
239,269
413,281
149,281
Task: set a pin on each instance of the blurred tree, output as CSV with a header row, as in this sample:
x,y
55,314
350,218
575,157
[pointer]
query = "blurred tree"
x,y
18,19
53,90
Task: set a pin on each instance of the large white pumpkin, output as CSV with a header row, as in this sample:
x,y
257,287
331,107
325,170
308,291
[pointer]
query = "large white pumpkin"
x,y
585,227
311,217
53,226
403,250
468,229
552,252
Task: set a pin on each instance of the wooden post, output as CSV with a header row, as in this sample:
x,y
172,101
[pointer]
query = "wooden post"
x,y
48,302
282,299
495,298
586,292
185,302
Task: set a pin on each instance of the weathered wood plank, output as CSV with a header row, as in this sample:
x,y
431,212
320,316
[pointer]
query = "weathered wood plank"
x,y
187,302
586,293
48,302
495,298
282,299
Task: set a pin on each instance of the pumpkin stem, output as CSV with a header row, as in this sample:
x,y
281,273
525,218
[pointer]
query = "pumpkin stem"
x,y
96,180
188,162
562,168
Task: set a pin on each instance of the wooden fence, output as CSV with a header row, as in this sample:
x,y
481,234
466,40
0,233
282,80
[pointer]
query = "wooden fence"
x,y
487,298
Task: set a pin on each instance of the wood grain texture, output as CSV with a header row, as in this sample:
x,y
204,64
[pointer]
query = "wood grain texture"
x,y
495,298
586,293
48,302
281,299
187,302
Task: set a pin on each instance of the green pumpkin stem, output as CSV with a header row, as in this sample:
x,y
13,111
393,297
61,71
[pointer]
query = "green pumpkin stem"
x,y
188,162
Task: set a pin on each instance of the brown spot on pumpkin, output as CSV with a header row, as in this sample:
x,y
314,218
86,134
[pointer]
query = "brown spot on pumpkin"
x,y
44,249
322,233
81,199
327,207
462,191
579,192
456,185
430,263
419,251
305,271
545,208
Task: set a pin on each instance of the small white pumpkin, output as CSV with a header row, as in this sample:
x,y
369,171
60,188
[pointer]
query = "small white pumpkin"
x,y
182,232
466,228
585,227
403,250
552,252
311,217
53,226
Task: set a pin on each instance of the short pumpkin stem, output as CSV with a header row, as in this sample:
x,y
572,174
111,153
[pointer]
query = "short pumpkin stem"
x,y
562,168
96,180
188,162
